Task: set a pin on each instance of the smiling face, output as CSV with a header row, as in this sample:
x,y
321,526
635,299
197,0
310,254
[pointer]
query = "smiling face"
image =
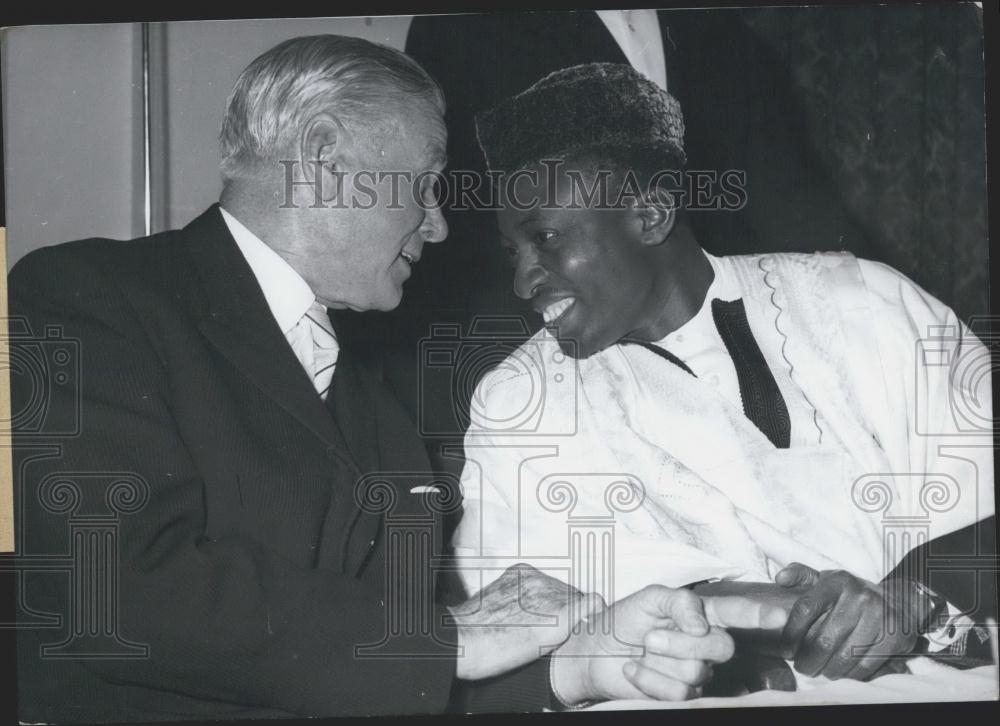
x,y
362,247
595,275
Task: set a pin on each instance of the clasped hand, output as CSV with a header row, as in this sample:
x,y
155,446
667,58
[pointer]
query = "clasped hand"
x,y
657,643
848,627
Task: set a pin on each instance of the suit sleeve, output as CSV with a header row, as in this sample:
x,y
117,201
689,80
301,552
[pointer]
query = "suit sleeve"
x,y
522,690
224,619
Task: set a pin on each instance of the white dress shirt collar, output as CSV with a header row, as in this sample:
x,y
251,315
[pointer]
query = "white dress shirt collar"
x,y
637,33
702,325
725,286
287,294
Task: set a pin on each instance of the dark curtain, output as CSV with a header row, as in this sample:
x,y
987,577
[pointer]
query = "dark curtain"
x,y
892,102
861,128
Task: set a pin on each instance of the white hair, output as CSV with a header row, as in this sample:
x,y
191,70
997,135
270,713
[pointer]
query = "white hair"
x,y
283,88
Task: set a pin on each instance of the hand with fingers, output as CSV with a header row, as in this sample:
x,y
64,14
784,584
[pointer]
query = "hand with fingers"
x,y
658,643
521,615
847,627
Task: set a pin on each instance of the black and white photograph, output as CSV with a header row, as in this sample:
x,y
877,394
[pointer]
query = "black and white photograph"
x,y
498,362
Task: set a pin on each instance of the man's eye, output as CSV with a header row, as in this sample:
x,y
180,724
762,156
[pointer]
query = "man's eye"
x,y
511,253
545,235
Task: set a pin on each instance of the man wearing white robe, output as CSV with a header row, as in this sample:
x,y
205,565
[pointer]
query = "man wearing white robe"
x,y
601,462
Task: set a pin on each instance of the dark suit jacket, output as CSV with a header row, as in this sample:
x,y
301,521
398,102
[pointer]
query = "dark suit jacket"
x,y
250,572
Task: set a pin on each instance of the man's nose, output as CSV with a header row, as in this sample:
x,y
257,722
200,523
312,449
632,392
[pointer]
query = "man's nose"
x,y
435,228
528,275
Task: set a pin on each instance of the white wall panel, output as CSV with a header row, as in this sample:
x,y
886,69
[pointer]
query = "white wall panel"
x,y
73,134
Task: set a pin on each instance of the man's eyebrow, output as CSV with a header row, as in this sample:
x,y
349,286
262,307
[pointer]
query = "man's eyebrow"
x,y
436,154
532,217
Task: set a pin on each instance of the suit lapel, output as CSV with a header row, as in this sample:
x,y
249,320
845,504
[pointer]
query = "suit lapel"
x,y
351,403
574,38
240,325
355,407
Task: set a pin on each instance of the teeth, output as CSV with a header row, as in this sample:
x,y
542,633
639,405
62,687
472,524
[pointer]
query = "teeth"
x,y
408,257
556,309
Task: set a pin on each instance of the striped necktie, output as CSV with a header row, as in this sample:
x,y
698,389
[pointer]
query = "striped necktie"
x,y
325,348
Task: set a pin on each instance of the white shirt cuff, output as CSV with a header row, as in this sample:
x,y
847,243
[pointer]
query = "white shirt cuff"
x,y
955,627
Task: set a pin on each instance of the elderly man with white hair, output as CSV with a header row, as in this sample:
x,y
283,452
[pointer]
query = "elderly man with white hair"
x,y
255,467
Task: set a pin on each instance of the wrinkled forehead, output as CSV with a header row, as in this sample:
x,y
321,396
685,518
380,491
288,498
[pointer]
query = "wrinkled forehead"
x,y
425,112
436,148
416,124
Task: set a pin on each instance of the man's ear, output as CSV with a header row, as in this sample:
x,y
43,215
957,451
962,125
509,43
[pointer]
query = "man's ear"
x,y
658,216
322,149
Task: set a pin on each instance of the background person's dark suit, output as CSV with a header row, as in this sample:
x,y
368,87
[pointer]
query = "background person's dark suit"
x,y
251,572
738,102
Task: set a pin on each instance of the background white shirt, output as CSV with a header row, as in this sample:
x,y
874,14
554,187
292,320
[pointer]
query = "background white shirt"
x,y
637,33
288,296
